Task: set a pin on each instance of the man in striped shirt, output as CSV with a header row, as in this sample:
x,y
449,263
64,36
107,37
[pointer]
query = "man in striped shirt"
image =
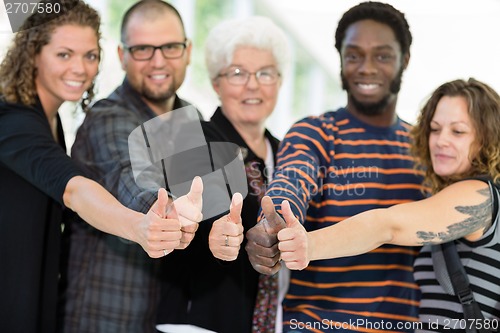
x,y
344,162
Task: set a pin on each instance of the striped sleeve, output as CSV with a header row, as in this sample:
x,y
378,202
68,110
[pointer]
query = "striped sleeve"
x,y
299,160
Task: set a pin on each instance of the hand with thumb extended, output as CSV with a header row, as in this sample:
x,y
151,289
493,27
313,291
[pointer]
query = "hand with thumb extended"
x,y
293,241
159,234
226,235
163,205
262,245
272,221
188,207
235,208
188,210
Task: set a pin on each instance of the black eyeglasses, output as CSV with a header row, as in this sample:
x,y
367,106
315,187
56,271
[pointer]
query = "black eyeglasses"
x,y
240,77
146,52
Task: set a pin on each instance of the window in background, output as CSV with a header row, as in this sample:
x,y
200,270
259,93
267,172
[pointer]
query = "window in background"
x,y
452,39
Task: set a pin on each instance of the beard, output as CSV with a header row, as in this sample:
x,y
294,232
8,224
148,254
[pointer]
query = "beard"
x,y
158,97
374,108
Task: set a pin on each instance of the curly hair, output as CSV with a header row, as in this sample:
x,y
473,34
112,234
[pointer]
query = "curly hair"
x,y
484,110
380,12
18,70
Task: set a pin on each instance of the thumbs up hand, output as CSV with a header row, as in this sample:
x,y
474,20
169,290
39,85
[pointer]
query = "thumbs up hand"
x,y
273,223
262,245
293,241
226,234
160,233
187,209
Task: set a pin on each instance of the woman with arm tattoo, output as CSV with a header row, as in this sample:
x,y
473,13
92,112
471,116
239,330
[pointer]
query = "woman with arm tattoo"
x,y
456,144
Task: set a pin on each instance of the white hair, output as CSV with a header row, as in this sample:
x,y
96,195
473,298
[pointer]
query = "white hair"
x,y
257,31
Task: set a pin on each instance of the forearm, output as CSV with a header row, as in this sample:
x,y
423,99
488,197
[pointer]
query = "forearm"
x,y
100,209
460,210
359,234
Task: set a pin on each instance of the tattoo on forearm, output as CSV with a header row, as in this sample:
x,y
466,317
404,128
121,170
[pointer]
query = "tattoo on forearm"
x,y
479,217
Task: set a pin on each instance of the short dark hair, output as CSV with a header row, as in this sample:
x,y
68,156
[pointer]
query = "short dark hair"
x,y
380,12
148,6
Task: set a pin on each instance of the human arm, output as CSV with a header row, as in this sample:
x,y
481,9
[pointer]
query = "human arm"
x,y
28,149
152,231
99,208
463,209
226,234
296,179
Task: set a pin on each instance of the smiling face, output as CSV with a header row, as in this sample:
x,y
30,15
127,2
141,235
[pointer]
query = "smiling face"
x,y
253,102
451,137
372,66
156,79
66,66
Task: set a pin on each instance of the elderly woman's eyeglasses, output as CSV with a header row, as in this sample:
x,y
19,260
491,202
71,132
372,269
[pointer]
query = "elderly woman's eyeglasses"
x,y
146,52
239,77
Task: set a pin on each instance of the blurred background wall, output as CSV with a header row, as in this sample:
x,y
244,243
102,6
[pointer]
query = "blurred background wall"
x,y
451,39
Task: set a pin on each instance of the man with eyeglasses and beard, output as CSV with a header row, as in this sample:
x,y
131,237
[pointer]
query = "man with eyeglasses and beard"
x,y
111,285
339,164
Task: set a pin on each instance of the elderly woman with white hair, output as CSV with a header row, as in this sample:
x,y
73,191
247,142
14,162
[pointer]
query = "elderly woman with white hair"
x,y
246,59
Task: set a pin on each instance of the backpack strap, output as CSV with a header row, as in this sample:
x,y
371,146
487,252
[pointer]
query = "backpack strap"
x,y
454,277
461,287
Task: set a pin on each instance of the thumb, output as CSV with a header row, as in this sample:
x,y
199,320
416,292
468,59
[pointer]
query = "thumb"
x,y
235,208
161,205
273,222
196,191
286,210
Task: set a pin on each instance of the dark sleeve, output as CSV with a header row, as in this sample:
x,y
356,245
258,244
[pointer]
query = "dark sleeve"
x,y
28,149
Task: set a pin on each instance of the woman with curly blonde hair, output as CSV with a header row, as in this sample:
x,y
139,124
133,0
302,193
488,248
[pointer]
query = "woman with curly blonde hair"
x,y
483,112
54,58
19,69
456,142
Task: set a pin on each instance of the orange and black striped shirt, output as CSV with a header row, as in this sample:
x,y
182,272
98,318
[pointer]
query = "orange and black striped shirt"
x,y
331,167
